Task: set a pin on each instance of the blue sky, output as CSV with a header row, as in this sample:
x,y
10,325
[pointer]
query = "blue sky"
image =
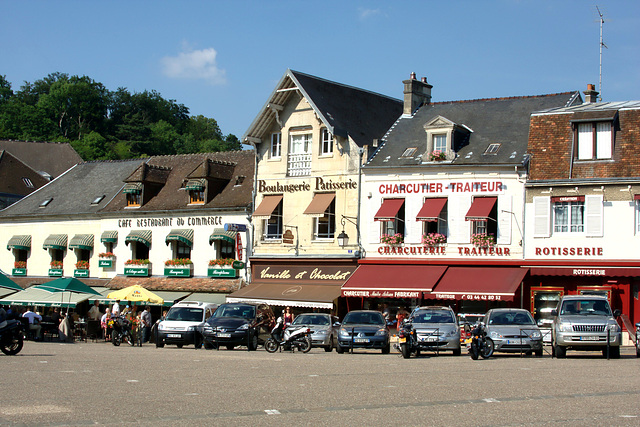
x,y
222,59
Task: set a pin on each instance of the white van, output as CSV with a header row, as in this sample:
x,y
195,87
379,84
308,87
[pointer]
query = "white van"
x,y
182,321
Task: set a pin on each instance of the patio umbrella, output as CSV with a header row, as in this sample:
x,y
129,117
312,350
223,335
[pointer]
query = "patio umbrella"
x,y
68,284
7,283
136,293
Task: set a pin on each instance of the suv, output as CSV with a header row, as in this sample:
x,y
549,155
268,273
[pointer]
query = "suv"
x,y
235,324
430,328
182,322
583,322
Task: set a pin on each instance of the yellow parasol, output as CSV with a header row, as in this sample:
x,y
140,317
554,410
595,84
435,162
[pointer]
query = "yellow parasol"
x,y
136,293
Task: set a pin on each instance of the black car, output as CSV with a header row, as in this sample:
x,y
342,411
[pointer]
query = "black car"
x,y
363,329
235,324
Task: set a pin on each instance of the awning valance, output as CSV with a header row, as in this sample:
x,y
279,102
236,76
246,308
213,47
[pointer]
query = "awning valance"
x,y
221,234
392,281
319,204
142,236
431,209
479,283
591,270
196,184
20,242
480,208
55,241
314,296
132,188
267,205
41,297
109,237
389,210
81,241
184,235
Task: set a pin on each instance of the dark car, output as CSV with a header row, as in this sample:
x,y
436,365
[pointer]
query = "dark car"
x,y
363,329
235,324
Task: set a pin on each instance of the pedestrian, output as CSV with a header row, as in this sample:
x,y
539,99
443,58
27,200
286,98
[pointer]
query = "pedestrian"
x,y
288,316
104,323
115,310
400,316
145,318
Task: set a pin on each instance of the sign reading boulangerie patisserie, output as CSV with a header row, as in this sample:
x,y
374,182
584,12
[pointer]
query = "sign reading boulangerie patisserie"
x,y
302,273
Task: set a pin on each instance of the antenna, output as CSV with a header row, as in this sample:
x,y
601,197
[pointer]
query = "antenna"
x,y
601,45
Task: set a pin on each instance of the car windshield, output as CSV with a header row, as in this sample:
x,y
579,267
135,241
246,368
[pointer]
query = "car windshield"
x,y
185,314
311,319
511,318
586,306
433,316
359,318
243,311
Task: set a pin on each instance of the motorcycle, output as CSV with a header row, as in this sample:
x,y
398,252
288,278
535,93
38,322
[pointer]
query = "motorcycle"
x,y
297,338
121,331
480,345
11,335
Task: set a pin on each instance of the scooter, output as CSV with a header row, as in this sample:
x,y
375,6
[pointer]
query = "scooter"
x,y
480,345
11,335
297,338
121,331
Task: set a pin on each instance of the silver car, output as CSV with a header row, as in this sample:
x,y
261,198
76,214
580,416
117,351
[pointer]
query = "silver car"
x,y
513,330
435,328
324,327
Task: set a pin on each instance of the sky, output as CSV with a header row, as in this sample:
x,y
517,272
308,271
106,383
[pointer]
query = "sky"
x,y
222,59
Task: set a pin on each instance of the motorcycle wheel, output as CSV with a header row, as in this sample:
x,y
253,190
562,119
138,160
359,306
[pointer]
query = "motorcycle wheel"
x,y
473,350
115,339
406,353
271,345
129,339
14,348
305,345
487,349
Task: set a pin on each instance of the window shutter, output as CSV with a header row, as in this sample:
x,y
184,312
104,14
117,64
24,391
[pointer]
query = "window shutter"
x,y
459,229
594,219
603,140
541,216
504,219
585,141
374,226
413,228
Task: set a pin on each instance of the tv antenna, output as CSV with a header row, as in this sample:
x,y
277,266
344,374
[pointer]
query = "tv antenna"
x,y
601,45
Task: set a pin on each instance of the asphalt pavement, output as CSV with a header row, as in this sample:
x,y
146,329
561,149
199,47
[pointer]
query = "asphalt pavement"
x,y
51,384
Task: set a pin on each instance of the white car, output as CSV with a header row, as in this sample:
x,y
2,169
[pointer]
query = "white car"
x,y
182,323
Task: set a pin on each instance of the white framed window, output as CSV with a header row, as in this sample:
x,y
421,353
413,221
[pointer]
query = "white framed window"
x,y
301,143
440,143
595,140
326,145
275,150
396,225
439,226
272,226
325,226
181,250
568,217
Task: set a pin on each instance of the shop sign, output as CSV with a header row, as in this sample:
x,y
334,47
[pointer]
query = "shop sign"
x,y
136,271
381,294
238,265
82,272
235,227
307,273
470,297
177,271
442,187
562,251
321,184
222,272
441,250
55,272
238,247
19,272
170,222
105,263
288,237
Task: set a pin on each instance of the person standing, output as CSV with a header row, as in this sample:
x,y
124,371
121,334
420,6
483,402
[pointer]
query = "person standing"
x,y
288,316
115,310
94,312
33,325
145,318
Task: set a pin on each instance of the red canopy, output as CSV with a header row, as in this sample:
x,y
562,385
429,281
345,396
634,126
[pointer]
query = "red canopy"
x,y
392,281
389,209
479,283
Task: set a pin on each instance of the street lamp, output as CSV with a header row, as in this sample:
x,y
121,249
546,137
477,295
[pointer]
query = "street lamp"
x,y
343,239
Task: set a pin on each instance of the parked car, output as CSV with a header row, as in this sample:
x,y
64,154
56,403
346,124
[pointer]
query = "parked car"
x,y
324,327
583,322
181,325
235,324
363,329
513,330
432,328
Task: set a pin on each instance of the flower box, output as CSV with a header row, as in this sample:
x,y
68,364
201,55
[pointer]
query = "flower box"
x,y
178,270
437,156
395,239
433,239
81,272
482,240
105,262
222,271
137,268
19,272
55,272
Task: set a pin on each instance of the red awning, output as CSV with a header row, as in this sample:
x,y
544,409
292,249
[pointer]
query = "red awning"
x,y
389,209
392,281
431,209
480,208
319,204
479,283
267,205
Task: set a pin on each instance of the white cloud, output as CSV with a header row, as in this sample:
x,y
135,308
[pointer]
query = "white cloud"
x,y
367,13
194,64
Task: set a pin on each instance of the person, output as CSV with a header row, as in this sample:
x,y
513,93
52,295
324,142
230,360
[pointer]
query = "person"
x,y
104,323
65,330
33,325
55,317
401,315
145,324
94,312
288,316
115,310
386,313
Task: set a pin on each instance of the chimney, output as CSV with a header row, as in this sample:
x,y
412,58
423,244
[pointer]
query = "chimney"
x,y
416,93
590,95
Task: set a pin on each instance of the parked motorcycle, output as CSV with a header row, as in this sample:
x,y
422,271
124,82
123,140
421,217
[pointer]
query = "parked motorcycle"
x,y
11,335
121,331
480,345
299,338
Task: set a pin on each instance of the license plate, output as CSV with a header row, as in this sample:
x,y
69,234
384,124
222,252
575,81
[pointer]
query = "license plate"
x,y
429,339
514,341
223,335
361,340
402,340
174,336
589,338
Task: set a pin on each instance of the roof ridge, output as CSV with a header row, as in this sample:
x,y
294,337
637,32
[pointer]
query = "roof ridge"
x,y
504,98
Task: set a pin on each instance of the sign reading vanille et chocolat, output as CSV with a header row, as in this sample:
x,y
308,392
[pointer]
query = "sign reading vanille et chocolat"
x,y
306,273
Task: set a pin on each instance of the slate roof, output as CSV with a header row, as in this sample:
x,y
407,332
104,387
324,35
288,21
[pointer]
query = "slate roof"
x,y
344,110
495,120
51,157
592,108
12,172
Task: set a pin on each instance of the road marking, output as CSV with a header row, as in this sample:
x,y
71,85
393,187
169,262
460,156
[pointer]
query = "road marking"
x,y
628,416
132,381
313,375
272,412
192,394
44,361
491,400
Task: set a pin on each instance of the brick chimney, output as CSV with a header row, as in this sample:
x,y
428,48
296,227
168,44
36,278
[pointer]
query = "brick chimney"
x,y
590,95
416,93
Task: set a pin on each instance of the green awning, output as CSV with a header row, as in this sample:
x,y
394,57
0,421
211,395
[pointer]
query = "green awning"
x,y
20,242
221,234
42,298
214,298
55,241
182,235
196,184
109,237
82,241
142,236
132,188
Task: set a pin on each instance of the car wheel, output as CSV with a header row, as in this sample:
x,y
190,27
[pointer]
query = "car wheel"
x,y
561,352
231,347
253,343
538,353
386,349
329,348
159,343
457,351
339,349
528,353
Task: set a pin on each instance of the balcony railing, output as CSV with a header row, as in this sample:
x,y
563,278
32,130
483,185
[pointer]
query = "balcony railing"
x,y
299,164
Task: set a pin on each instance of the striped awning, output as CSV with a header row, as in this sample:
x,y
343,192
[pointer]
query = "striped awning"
x,y
221,234
132,188
182,235
55,241
109,237
20,242
196,184
82,241
142,236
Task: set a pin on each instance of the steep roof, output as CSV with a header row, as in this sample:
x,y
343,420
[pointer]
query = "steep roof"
x,y
344,110
51,157
15,176
481,122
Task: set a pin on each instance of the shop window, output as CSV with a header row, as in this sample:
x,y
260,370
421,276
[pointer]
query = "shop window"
x,y
181,250
595,140
439,226
326,145
134,199
196,197
568,217
21,255
325,226
275,151
83,255
225,249
273,225
543,301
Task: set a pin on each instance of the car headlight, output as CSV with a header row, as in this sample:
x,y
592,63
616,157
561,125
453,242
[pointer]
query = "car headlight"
x,y
614,327
160,327
495,334
452,333
535,334
190,328
243,327
566,327
207,328
321,332
381,332
343,332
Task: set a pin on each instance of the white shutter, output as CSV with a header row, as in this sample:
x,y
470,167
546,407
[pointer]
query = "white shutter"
x,y
603,140
585,141
413,228
505,204
542,216
374,226
594,221
459,229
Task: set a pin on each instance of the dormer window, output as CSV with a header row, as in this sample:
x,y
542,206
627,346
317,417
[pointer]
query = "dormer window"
x,y
134,199
133,191
595,140
196,189
492,149
440,143
196,197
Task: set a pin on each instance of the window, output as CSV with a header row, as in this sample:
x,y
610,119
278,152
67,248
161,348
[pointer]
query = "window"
x,y
83,255
27,182
299,158
595,140
225,249
196,197
325,226
21,255
439,226
134,199
409,152
301,143
440,143
568,217
182,250
273,225
326,146
57,255
276,146
139,250
396,225
97,200
492,149
46,202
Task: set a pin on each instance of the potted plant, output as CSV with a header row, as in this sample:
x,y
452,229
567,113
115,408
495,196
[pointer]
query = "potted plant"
x,y
19,268
389,239
433,239
82,265
82,269
20,264
137,267
106,255
105,259
56,264
436,156
179,267
56,269
483,240
221,267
